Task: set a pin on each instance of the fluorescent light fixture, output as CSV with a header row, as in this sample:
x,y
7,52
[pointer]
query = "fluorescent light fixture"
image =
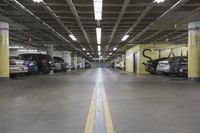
x,y
98,5
99,48
98,34
27,50
88,53
37,1
110,53
16,47
99,53
73,37
114,48
91,56
124,37
159,1
83,49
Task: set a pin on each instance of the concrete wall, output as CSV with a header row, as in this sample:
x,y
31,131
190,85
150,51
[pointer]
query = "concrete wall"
x,y
146,51
99,64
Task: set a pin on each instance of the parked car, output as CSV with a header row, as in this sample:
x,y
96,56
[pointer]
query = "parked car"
x,y
60,65
32,65
152,65
174,65
17,66
122,65
44,62
87,65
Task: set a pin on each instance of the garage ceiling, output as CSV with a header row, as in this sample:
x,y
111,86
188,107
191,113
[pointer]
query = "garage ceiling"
x,y
51,22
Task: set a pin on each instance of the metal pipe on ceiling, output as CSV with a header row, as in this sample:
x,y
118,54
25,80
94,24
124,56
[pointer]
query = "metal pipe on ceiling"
x,y
73,10
151,36
144,13
27,12
57,18
50,11
171,9
122,12
165,36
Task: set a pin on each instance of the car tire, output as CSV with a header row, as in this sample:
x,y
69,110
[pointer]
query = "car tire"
x,y
45,71
153,73
28,73
166,74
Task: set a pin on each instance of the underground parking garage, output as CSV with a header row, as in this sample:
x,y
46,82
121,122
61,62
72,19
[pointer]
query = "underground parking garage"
x,y
99,66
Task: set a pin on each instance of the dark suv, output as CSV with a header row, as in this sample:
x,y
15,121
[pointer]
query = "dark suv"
x,y
44,62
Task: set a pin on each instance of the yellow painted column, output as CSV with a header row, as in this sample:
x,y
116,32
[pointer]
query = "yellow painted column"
x,y
4,50
194,51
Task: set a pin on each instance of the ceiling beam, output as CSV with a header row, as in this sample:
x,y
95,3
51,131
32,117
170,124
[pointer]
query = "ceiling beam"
x,y
170,10
141,17
74,11
178,36
122,12
153,35
51,12
165,36
21,8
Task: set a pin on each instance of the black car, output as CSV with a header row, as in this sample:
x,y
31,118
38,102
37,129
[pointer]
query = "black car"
x,y
44,62
152,65
60,64
87,65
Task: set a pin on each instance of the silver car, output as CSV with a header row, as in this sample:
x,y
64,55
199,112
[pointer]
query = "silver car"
x,y
17,66
174,65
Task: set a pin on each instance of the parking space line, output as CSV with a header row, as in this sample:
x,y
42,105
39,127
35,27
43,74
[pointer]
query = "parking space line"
x,y
92,109
108,118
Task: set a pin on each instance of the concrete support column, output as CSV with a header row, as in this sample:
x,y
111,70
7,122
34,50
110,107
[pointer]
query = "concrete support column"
x,y
67,58
4,51
194,51
50,50
75,61
83,63
115,60
80,62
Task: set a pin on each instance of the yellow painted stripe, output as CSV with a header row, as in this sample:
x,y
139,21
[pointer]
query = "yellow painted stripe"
x,y
90,118
108,118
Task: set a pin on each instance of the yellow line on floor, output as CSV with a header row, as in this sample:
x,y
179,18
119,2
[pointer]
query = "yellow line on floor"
x,y
91,113
108,118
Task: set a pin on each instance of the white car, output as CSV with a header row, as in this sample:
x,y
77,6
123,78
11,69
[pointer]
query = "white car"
x,y
17,66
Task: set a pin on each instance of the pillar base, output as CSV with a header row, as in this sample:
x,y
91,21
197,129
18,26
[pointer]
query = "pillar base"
x,y
51,72
4,79
195,79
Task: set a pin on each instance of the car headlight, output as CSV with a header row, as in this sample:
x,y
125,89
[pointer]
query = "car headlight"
x,y
31,64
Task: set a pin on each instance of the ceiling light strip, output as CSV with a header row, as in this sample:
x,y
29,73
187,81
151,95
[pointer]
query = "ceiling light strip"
x,y
98,34
98,6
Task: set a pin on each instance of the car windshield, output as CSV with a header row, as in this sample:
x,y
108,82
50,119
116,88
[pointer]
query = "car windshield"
x,y
15,57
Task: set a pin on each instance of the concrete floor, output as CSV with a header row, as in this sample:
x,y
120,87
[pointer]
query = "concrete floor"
x,y
139,104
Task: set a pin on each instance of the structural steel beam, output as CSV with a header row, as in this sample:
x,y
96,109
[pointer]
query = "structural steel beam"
x,y
122,12
170,10
74,11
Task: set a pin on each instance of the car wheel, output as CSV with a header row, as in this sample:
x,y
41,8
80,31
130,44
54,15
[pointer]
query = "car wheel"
x,y
45,71
28,74
166,74
153,73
